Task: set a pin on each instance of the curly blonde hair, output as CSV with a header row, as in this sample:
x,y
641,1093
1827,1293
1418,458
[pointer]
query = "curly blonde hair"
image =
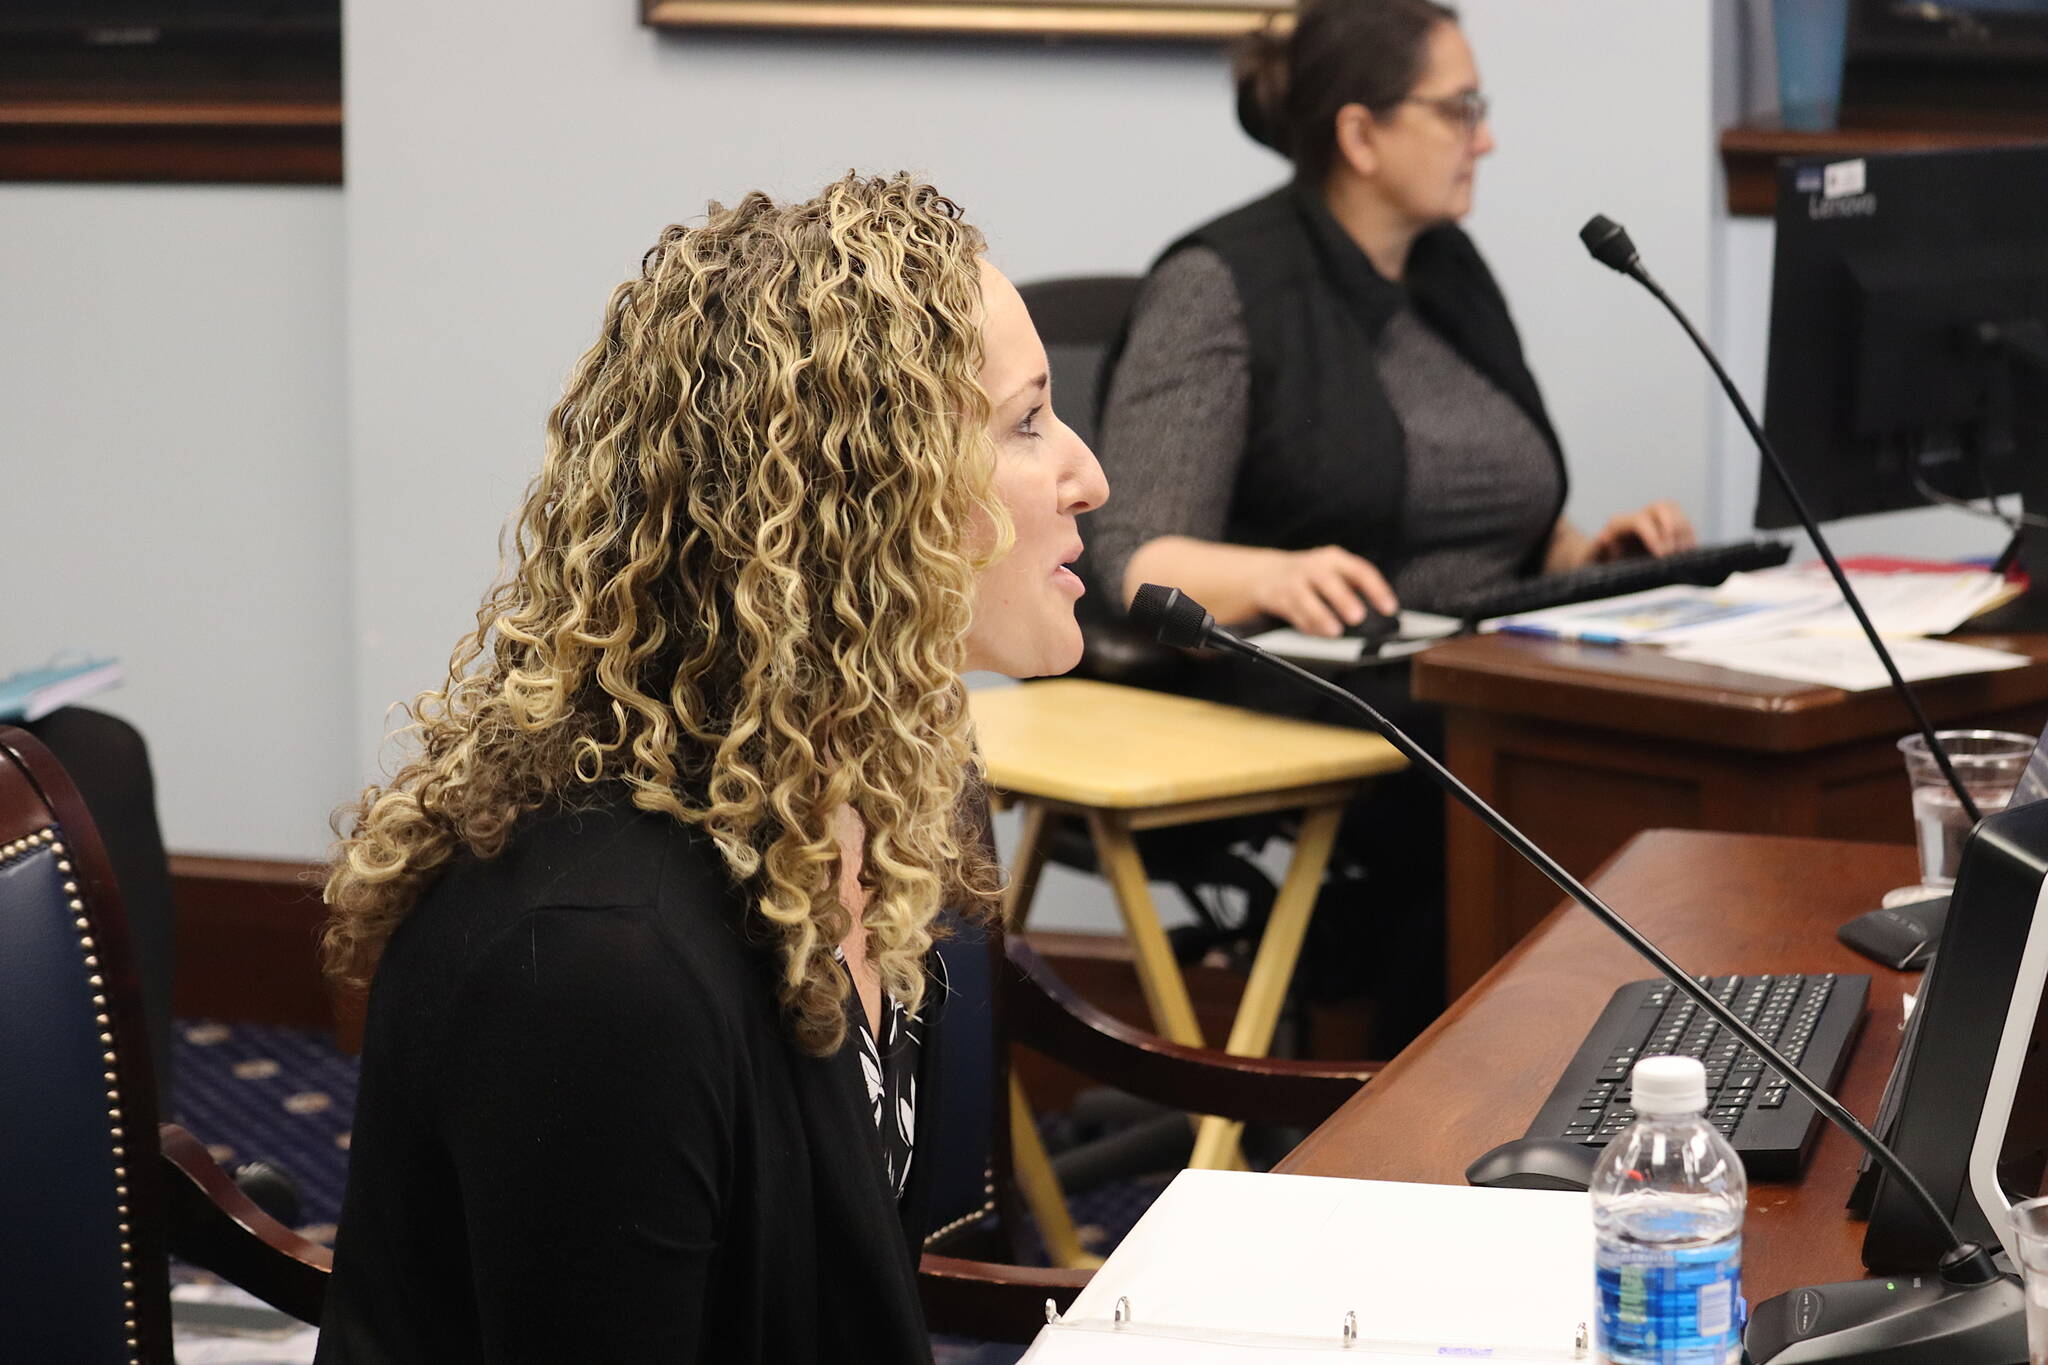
x,y
739,590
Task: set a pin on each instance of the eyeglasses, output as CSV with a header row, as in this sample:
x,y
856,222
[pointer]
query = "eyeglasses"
x,y
1466,109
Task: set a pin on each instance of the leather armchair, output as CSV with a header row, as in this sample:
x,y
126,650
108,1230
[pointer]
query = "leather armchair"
x,y
96,1196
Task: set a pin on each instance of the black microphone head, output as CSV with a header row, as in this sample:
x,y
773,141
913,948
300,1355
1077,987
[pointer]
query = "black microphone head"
x,y
1609,243
1170,616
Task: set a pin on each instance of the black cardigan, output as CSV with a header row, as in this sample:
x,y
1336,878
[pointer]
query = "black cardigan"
x,y
1325,460
583,1134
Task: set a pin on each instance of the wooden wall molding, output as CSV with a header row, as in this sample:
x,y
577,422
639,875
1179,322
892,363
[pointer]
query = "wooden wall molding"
x,y
272,142
246,948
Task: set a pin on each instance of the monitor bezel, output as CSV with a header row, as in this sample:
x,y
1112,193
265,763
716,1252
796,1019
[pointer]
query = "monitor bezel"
x,y
1958,1080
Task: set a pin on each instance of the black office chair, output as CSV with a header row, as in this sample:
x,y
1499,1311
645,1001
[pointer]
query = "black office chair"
x,y
1211,866
97,1195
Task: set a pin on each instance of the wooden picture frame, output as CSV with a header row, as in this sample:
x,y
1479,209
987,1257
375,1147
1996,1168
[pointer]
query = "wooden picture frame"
x,y
1187,20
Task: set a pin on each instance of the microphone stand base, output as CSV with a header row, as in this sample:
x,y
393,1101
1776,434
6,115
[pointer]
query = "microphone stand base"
x,y
1912,1319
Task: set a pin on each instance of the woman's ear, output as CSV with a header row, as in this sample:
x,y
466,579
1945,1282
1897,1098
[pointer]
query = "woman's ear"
x,y
1357,143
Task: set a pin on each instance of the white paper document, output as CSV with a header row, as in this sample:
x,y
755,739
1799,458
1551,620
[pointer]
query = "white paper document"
x,y
1230,1267
1847,662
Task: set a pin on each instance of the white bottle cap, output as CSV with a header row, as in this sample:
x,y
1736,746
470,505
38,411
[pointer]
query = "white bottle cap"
x,y
1668,1085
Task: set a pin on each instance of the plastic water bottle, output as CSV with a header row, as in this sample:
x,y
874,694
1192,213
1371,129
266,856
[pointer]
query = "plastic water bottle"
x,y
1668,1198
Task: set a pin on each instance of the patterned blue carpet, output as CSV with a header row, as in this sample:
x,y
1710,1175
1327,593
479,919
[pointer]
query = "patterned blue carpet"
x,y
285,1096
280,1095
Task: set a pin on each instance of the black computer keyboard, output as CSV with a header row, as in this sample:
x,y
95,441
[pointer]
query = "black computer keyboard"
x,y
1813,1020
1705,565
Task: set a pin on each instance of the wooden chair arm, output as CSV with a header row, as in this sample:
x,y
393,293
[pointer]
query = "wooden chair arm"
x,y
992,1302
1044,1014
214,1225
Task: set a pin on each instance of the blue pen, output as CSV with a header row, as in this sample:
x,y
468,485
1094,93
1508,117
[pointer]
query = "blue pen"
x,y
1588,637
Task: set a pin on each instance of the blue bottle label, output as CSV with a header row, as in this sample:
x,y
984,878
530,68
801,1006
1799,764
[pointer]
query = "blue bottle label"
x,y
1670,1306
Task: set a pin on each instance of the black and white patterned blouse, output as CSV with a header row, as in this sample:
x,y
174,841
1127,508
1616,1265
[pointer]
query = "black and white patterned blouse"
x,y
889,1066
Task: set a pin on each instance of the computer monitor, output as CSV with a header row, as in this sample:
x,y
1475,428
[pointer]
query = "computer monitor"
x,y
1909,332
1967,1105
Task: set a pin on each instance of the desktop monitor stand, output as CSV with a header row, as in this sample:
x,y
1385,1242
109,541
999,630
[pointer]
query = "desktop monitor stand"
x,y
2026,614
2019,430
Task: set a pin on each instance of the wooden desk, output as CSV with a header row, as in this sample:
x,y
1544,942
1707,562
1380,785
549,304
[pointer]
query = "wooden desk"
x,y
1716,903
1585,745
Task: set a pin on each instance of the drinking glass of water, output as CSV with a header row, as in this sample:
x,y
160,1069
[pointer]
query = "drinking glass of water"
x,y
2030,1239
1989,762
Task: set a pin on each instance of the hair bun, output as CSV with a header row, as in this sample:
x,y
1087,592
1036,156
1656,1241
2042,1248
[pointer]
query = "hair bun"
x,y
1260,65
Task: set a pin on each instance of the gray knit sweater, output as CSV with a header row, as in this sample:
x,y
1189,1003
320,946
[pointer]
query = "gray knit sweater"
x,y
1481,479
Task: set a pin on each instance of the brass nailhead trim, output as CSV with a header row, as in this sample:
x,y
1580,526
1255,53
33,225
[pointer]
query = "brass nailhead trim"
x,y
962,1221
103,1017
28,843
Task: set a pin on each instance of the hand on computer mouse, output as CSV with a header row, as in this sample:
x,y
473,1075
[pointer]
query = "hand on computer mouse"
x,y
1320,591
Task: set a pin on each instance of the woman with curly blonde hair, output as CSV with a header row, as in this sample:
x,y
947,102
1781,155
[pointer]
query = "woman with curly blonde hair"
x,y
647,920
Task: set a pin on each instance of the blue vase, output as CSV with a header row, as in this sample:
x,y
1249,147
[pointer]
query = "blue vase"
x,y
1811,37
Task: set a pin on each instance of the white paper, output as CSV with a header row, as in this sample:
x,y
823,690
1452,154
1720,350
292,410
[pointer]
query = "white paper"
x,y
1900,602
1231,1266
1419,630
1675,612
1767,604
1847,662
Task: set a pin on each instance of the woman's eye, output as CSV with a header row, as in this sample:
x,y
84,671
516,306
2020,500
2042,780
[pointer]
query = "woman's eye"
x,y
1029,426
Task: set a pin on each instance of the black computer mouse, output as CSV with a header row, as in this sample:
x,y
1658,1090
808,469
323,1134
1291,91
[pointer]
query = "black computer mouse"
x,y
1535,1164
1376,626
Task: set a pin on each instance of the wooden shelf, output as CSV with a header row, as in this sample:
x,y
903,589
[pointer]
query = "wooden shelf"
x,y
1750,153
221,141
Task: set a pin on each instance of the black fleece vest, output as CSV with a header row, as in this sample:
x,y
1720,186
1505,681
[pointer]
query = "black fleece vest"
x,y
1325,459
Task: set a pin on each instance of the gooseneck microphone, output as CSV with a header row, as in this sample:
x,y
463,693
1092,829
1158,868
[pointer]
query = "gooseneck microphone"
x,y
1966,1269
1609,243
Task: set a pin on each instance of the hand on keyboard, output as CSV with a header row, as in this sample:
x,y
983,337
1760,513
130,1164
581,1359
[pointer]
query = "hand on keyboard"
x,y
1659,529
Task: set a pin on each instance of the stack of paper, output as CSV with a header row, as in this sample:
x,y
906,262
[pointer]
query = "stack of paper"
x,y
1904,603
1847,662
1229,1268
1792,623
1663,615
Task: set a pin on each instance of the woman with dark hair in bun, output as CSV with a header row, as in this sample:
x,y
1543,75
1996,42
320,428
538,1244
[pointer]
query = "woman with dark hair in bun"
x,y
1321,405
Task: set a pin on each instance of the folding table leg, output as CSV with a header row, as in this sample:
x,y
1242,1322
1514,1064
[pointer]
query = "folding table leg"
x,y
1258,1013
1166,992
1026,865
1041,1188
